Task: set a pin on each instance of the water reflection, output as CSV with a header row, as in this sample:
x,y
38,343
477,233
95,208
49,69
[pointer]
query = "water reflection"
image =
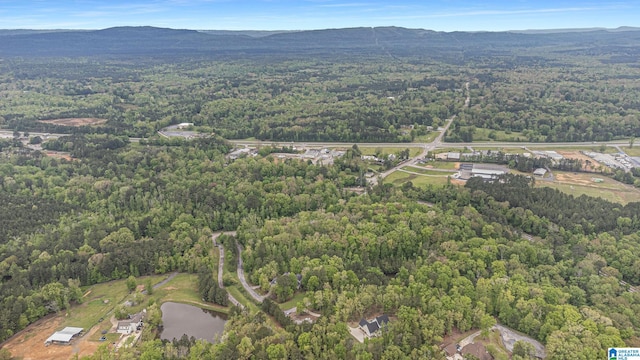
x,y
179,319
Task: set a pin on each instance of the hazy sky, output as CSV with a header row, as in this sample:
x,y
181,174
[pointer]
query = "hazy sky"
x,y
442,15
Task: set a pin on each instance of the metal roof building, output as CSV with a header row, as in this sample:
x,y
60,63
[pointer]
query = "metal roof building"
x,y
540,172
64,336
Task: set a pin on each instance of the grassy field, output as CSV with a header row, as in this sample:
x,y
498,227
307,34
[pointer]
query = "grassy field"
x,y
426,138
371,150
584,184
618,196
634,151
293,302
498,135
238,292
444,165
427,171
399,177
183,289
101,300
590,147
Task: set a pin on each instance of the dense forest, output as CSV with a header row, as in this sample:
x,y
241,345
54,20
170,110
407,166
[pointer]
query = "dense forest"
x,y
371,88
438,260
459,264
581,100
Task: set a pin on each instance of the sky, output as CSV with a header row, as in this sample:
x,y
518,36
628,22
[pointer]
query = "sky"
x,y
439,15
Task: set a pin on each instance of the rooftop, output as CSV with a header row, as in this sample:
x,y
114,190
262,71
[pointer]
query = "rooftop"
x,y
64,335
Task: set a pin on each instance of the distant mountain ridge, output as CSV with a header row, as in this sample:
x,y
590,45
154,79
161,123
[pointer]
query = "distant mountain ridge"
x,y
391,41
555,31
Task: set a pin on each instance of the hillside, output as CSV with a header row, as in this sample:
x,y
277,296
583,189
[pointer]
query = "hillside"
x,y
393,41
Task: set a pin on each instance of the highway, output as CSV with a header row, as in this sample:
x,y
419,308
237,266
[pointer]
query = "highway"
x,y
435,144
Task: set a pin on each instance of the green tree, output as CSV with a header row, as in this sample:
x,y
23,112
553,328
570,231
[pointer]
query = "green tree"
x,y
148,286
131,283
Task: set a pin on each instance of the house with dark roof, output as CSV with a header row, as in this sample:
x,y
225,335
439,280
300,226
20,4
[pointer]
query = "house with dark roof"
x,y
371,328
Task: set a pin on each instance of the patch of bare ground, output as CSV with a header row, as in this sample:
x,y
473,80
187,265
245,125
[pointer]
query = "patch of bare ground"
x,y
28,344
76,121
589,163
59,155
573,179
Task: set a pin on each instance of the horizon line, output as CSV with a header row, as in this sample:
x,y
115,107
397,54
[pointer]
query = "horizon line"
x,y
331,28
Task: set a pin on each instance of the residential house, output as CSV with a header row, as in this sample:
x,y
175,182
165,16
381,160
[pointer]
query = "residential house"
x,y
371,328
131,325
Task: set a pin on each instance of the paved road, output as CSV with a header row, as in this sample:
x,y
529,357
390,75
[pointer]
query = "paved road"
x,y
509,337
259,298
440,145
427,147
214,237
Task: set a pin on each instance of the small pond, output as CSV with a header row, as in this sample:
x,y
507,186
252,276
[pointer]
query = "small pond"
x,y
179,319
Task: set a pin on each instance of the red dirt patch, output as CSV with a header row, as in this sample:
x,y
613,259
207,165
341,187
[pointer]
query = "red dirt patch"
x,y
28,344
59,155
76,121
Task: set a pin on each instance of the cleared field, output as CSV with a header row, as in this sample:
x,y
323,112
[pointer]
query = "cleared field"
x,y
76,121
428,171
399,177
498,135
371,150
100,301
445,165
184,289
426,138
634,151
585,184
621,197
591,147
293,302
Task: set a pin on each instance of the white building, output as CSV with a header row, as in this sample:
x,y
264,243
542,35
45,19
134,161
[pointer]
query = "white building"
x,y
128,326
183,125
64,336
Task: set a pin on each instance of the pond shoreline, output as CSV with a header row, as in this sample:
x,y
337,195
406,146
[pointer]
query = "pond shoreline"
x,y
180,318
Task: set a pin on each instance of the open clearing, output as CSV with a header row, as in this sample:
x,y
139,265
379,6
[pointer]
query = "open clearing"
x,y
29,343
589,163
400,177
59,155
585,184
76,121
93,315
